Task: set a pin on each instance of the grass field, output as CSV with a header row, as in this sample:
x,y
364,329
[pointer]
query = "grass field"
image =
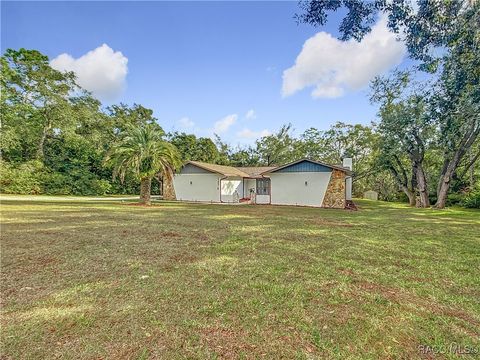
x,y
97,280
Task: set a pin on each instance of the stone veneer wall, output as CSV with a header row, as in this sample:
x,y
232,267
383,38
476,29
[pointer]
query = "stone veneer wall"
x,y
335,194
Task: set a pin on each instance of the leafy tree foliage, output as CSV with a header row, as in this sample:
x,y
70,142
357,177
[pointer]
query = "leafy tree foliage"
x,y
456,103
424,26
35,97
405,128
278,148
444,36
143,153
193,148
55,135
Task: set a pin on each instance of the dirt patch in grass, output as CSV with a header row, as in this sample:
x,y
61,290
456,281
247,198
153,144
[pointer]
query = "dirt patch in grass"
x,y
227,343
402,297
347,272
170,234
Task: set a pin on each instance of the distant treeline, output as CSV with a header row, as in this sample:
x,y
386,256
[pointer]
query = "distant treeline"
x,y
55,137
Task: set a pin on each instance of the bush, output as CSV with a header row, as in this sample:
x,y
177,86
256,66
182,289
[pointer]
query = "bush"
x,y
34,178
89,184
77,183
54,183
454,199
101,186
399,196
22,179
472,200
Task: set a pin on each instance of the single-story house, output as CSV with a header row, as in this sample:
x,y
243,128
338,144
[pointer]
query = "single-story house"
x,y
304,182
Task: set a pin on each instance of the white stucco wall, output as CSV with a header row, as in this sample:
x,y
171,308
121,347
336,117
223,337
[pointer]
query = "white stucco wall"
x,y
203,187
262,199
290,188
229,186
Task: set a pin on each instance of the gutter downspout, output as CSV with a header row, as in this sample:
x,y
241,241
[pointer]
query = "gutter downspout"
x,y
348,163
348,182
270,190
220,187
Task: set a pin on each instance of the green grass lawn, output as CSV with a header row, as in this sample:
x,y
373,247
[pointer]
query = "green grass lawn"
x,y
91,280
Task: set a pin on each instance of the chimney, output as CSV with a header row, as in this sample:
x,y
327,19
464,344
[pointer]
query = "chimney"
x,y
347,163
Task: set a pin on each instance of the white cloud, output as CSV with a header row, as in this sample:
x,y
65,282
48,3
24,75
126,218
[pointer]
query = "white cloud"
x,y
224,124
250,114
250,134
333,66
101,71
185,123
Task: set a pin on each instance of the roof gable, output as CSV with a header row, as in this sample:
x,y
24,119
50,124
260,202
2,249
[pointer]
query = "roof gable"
x,y
304,166
213,168
194,169
307,165
255,171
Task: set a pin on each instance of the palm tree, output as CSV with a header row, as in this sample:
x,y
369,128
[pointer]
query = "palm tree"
x,y
143,152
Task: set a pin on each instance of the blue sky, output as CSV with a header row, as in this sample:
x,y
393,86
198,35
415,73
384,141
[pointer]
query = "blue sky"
x,y
202,66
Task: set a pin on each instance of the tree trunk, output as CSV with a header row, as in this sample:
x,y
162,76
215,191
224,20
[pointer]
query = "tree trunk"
x,y
168,189
442,195
145,187
401,178
411,196
444,185
40,147
446,162
450,165
422,186
470,167
446,177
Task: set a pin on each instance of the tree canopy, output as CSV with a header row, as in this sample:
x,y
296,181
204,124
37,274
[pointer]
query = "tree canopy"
x,y
441,118
56,138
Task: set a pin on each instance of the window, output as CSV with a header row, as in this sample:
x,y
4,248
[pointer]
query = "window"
x,y
263,186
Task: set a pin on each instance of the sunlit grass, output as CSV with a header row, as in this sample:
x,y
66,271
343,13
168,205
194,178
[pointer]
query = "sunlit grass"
x,y
84,280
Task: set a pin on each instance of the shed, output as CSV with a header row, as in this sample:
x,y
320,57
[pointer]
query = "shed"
x,y
370,194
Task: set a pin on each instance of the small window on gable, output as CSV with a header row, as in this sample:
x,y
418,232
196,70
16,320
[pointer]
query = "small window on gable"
x,y
263,186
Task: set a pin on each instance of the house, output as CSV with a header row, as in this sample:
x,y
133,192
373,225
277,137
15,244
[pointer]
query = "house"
x,y
304,182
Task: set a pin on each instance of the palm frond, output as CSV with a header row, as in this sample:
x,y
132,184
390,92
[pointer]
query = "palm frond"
x,y
143,152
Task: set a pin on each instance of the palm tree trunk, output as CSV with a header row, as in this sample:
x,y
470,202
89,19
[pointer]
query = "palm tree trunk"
x,y
168,189
145,187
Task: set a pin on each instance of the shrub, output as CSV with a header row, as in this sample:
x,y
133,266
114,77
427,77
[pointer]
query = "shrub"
x,y
21,179
399,196
55,183
33,177
455,199
89,184
101,186
472,200
77,183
